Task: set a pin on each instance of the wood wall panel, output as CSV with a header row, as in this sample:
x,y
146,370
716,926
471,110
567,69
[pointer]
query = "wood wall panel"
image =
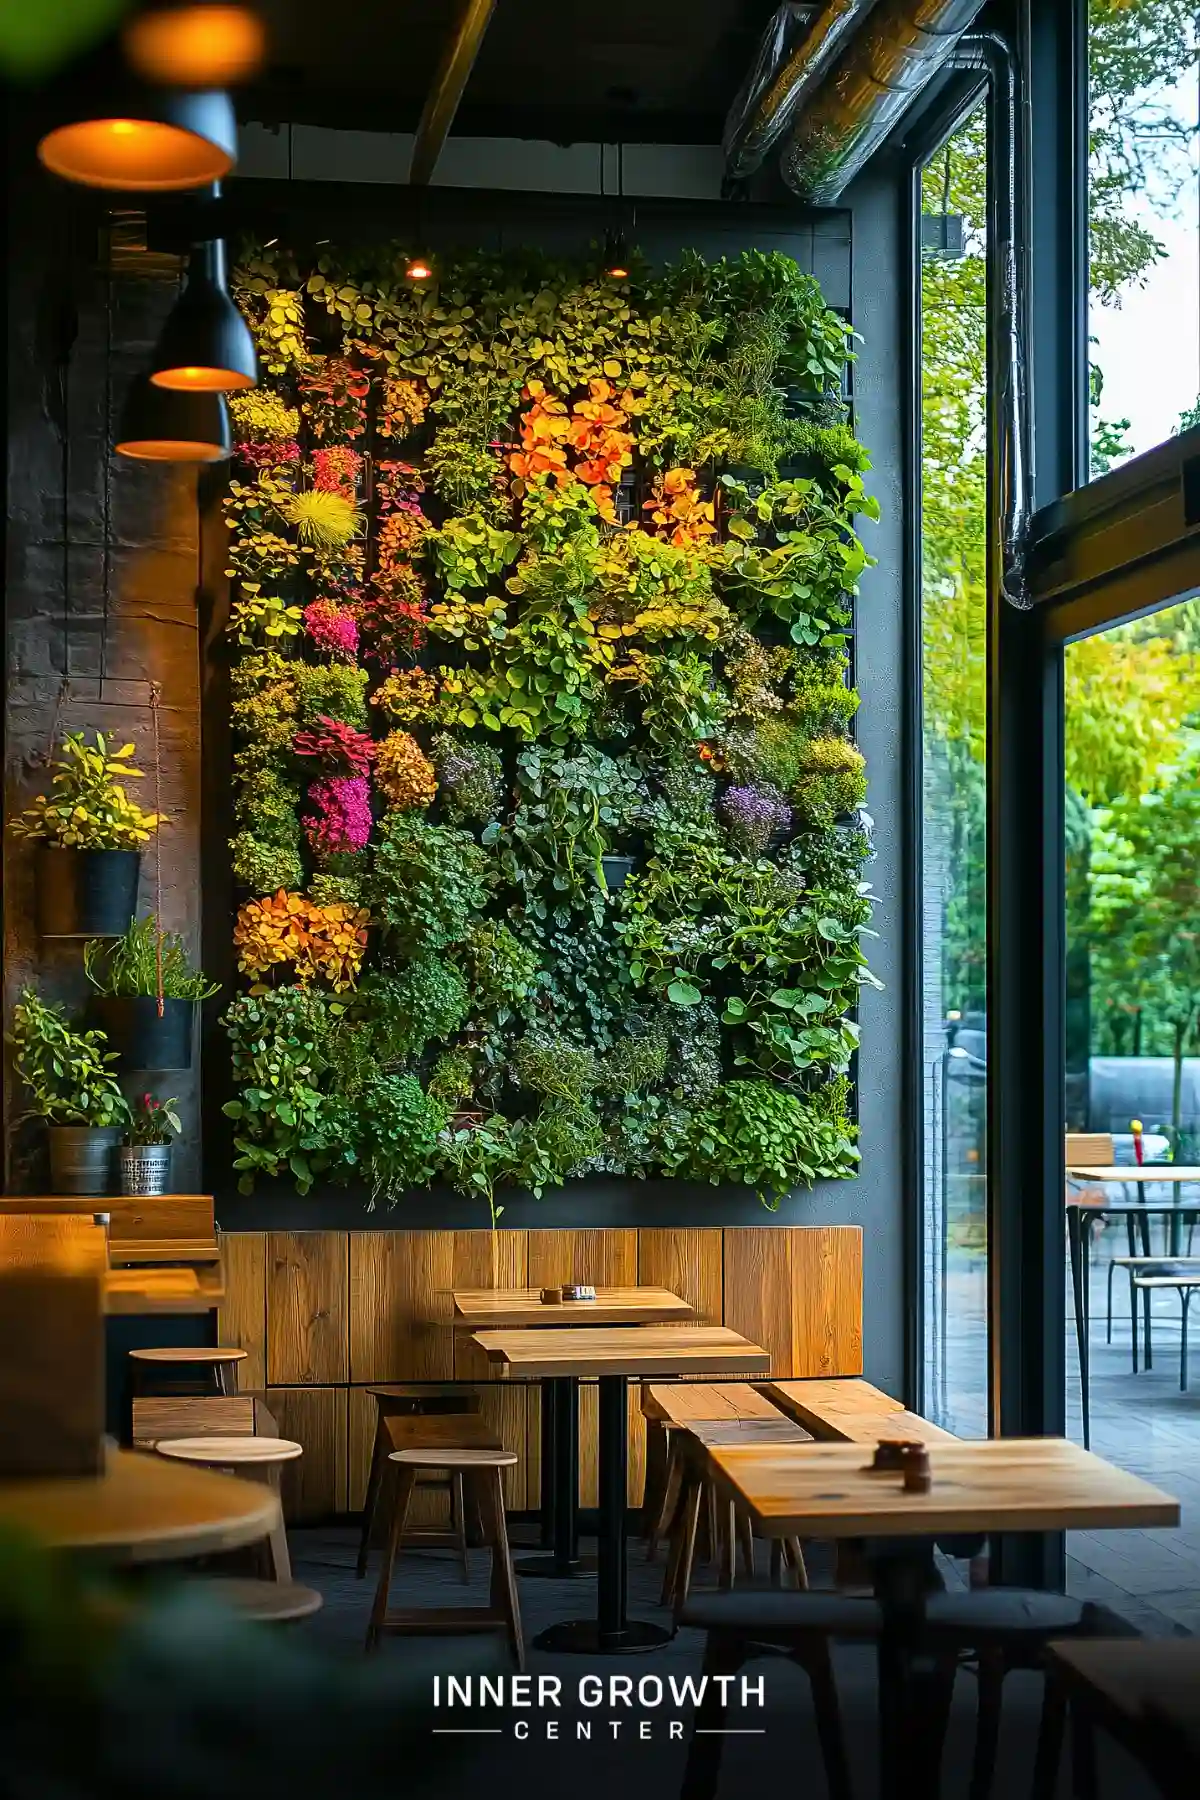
x,y
400,1306
689,1264
242,1314
605,1258
306,1308
798,1292
319,1309
827,1302
314,1485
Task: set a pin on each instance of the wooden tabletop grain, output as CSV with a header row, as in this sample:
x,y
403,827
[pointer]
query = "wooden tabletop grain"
x,y
510,1308
142,1509
1002,1484
623,1350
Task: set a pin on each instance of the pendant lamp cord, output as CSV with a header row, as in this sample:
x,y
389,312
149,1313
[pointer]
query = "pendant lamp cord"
x,y
155,702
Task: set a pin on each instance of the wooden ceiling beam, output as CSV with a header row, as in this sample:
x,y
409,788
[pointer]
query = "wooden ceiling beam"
x,y
441,103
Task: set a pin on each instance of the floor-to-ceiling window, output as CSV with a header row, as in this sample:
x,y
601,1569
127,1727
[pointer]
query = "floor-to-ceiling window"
x,y
1144,224
953,609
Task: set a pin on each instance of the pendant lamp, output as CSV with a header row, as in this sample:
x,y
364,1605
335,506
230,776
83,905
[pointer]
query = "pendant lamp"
x,y
205,346
161,425
156,142
195,43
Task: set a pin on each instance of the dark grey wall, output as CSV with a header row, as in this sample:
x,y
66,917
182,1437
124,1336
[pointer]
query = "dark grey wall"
x,y
100,587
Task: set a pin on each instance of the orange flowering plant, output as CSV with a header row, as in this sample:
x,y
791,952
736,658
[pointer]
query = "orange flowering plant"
x,y
322,942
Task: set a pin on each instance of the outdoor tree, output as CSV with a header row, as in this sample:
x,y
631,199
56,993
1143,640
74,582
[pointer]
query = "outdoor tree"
x,y
1145,907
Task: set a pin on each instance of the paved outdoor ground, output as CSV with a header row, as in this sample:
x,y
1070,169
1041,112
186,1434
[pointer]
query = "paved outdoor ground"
x,y
1142,1422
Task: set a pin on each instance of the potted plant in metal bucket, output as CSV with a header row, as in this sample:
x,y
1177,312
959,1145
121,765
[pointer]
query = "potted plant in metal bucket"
x,y
130,976
73,1089
90,834
144,1159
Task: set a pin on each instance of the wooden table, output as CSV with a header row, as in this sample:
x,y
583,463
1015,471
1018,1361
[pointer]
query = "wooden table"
x,y
1001,1485
1083,1214
142,1509
612,1355
1143,1691
502,1308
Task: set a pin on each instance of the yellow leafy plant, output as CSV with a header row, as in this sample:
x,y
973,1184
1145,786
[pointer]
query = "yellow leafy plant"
x,y
404,773
406,694
323,943
323,521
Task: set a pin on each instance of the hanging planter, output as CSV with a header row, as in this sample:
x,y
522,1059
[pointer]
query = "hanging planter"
x,y
140,1037
148,992
86,893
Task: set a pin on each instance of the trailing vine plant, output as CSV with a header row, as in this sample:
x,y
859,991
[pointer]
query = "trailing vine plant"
x,y
549,831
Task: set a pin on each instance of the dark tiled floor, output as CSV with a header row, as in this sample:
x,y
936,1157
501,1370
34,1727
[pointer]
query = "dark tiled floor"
x,y
640,1759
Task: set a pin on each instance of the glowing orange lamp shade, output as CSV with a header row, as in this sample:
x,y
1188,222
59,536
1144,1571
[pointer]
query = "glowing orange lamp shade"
x,y
159,143
206,346
418,269
160,426
202,45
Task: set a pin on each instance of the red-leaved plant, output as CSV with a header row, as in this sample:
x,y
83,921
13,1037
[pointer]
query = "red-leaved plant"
x,y
344,749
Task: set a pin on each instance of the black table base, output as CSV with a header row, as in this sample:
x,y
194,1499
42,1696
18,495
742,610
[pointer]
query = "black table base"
x,y
560,1487
611,1632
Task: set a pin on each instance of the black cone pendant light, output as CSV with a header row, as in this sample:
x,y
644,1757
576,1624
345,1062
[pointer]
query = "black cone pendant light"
x,y
206,346
156,142
161,425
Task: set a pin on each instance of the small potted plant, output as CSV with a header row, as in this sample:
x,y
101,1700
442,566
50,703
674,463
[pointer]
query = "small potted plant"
x,y
73,1089
90,833
144,1158
129,975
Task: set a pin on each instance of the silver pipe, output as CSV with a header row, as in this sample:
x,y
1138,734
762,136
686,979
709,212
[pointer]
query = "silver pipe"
x,y
1010,435
873,83
790,62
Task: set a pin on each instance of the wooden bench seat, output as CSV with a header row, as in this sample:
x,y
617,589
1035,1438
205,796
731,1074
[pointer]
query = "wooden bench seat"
x,y
680,1402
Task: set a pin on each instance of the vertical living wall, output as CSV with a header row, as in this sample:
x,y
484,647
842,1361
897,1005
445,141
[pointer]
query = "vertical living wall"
x,y
548,813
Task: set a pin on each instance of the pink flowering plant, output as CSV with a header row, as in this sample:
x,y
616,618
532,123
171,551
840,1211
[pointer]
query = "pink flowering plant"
x,y
340,824
332,628
336,470
153,1121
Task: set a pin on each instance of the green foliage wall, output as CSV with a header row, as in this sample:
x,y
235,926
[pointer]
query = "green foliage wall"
x,y
548,815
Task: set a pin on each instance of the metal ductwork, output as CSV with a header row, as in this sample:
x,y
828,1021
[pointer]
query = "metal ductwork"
x,y
797,48
899,48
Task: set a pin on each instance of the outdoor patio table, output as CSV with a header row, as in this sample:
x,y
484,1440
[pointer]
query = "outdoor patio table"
x,y
505,1308
142,1509
613,1355
998,1485
1081,1214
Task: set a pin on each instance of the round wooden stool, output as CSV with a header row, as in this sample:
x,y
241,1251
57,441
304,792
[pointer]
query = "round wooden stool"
x,y
410,1399
265,1602
256,1459
480,1470
219,1362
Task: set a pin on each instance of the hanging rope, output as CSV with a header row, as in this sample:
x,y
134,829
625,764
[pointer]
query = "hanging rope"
x,y
60,700
155,700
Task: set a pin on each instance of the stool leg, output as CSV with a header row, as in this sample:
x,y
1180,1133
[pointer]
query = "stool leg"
x,y
727,1559
828,1714
226,1377
795,1556
723,1655
1185,1299
687,1549
658,1458
458,1522
370,1503
661,1518
987,1726
746,1539
776,1564
490,1491
687,1516
712,1523
1051,1737
277,1544
405,1484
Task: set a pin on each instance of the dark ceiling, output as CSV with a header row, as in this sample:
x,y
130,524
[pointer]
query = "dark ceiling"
x,y
620,70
